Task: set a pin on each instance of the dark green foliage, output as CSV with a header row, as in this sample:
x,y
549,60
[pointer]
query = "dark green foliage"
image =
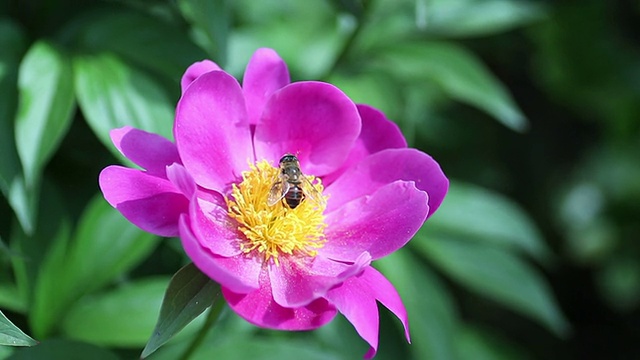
x,y
533,110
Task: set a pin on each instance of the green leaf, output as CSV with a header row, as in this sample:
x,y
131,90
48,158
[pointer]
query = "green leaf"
x,y
104,247
251,348
123,317
482,344
137,37
497,274
60,349
458,72
478,17
487,217
11,298
433,318
11,335
188,295
45,109
113,94
210,21
31,249
13,45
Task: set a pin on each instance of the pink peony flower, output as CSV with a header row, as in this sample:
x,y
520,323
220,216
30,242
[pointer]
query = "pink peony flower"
x,y
282,267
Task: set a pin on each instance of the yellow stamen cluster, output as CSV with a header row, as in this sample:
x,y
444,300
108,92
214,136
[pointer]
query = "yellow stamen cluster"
x,y
275,230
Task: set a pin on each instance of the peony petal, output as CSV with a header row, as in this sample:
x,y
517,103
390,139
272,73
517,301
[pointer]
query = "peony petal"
x,y
265,73
258,307
211,131
377,133
195,71
379,224
314,120
181,179
383,291
298,281
212,226
385,167
355,300
150,151
151,203
238,273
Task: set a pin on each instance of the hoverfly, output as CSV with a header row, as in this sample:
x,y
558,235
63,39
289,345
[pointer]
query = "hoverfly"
x,y
292,185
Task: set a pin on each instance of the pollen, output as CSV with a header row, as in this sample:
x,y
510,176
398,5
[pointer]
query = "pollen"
x,y
278,230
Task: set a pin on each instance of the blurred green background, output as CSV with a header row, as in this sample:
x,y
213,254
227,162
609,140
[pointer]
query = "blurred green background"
x,y
532,108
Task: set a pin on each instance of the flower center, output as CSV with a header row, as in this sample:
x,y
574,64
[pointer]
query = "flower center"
x,y
276,230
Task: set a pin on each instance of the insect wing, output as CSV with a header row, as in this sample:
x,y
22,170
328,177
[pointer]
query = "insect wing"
x,y
310,191
277,192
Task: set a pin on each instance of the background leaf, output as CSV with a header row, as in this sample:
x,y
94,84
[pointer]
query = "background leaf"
x,y
211,23
478,214
497,274
190,292
13,45
458,72
105,246
433,318
122,317
480,344
60,349
478,17
138,37
113,94
11,335
45,109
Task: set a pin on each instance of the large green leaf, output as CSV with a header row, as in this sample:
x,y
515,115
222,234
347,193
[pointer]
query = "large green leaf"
x,y
269,24
188,295
11,335
478,17
104,247
31,249
497,274
122,317
458,72
251,348
11,298
113,94
478,214
483,344
138,37
45,107
210,21
61,349
13,45
432,316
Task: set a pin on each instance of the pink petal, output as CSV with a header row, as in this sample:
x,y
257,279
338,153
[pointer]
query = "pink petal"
x,y
238,273
314,120
151,203
212,226
150,151
377,133
379,224
181,179
211,131
298,281
384,292
385,167
196,70
265,73
258,307
355,300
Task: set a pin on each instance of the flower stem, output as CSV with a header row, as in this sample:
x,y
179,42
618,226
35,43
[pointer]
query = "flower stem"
x,y
214,312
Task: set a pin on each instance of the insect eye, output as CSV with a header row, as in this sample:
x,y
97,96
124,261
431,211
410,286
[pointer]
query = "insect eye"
x,y
288,158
